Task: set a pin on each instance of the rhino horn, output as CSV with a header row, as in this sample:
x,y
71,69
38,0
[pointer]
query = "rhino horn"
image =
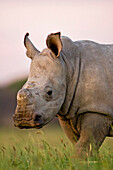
x,y
54,43
31,49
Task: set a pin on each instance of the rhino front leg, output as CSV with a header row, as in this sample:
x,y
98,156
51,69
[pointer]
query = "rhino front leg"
x,y
93,130
69,131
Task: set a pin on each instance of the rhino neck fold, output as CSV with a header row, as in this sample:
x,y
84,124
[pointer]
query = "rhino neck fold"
x,y
73,74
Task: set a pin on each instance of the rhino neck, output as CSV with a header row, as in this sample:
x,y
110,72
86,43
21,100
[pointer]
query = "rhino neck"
x,y
72,80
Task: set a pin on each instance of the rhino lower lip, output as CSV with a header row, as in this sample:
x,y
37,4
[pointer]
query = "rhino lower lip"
x,y
30,127
28,124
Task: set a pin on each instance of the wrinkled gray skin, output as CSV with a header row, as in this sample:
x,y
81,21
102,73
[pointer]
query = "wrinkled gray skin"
x,y
73,80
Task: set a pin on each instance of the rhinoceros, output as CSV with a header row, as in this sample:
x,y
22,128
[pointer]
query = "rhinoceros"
x,y
71,80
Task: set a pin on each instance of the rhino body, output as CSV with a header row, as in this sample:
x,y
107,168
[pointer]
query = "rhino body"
x,y
73,80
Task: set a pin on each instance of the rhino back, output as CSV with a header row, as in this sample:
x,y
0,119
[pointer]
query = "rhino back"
x,y
95,88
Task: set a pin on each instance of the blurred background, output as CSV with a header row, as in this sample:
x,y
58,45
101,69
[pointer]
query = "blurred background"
x,y
77,19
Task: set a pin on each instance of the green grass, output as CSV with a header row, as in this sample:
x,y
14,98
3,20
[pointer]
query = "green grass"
x,y
47,150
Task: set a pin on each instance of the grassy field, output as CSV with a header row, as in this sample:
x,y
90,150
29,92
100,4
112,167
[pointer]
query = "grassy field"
x,y
47,150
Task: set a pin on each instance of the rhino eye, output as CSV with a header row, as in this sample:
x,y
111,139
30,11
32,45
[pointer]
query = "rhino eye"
x,y
49,92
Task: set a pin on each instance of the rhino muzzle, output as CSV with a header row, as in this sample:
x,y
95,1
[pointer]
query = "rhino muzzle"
x,y
25,116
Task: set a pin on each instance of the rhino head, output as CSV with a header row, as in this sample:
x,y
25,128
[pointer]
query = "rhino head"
x,y
42,96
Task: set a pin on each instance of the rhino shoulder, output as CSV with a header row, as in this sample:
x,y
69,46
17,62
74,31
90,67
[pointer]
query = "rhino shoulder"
x,y
86,44
91,45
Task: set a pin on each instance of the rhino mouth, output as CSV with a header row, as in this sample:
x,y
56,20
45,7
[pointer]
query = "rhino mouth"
x,y
25,117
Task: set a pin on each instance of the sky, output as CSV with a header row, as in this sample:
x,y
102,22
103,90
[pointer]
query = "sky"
x,y
77,19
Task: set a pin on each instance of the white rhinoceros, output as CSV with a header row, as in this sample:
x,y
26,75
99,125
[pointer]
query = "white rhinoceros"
x,y
73,80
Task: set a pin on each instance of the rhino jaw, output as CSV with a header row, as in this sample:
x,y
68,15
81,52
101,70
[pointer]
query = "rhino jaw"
x,y
26,118
22,122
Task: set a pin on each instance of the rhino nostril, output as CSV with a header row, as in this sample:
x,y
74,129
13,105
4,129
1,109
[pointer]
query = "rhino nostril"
x,y
37,118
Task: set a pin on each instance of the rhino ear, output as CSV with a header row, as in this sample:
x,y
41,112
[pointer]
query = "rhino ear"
x,y
54,43
31,50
